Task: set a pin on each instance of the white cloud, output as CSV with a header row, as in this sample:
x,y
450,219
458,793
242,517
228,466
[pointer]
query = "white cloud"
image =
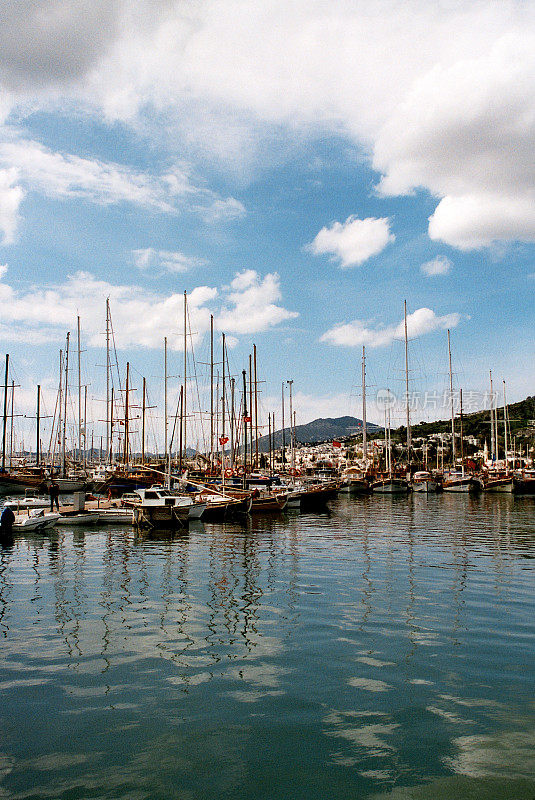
x,y
473,221
251,304
141,318
440,95
353,241
171,260
11,197
66,176
358,332
441,265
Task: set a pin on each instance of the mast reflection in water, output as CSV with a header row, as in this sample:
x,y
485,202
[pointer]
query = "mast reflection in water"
x,y
383,650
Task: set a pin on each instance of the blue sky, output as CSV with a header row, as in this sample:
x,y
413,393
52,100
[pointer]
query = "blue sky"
x,y
299,169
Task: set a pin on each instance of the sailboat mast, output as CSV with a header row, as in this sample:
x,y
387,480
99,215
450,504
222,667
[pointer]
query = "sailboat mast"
x,y
64,442
452,405
5,415
364,432
492,442
251,406
79,393
184,395
244,429
223,414
165,397
292,454
232,421
108,408
143,410
255,407
38,432
283,434
461,416
12,417
407,387
126,415
505,426
211,388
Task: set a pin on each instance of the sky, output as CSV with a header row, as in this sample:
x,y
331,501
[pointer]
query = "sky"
x,y
299,168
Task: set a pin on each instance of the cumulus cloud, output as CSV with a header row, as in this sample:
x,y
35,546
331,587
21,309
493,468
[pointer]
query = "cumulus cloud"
x,y
354,241
441,265
251,304
449,108
171,260
11,197
359,332
141,318
473,221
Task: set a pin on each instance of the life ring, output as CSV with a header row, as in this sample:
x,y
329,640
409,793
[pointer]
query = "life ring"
x,y
229,473
240,471
293,472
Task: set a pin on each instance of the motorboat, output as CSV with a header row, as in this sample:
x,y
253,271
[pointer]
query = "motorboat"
x,y
38,519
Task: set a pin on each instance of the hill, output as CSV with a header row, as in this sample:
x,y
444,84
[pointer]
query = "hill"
x,y
319,430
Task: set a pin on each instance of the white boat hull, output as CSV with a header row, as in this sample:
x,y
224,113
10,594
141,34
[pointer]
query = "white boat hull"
x,y
83,518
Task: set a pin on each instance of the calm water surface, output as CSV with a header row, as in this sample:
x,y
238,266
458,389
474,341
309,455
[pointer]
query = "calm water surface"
x,y
383,651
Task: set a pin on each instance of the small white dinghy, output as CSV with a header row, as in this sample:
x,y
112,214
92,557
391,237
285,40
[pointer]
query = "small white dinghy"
x,y
39,519
79,518
116,516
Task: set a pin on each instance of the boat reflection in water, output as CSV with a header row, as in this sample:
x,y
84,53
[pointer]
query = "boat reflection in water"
x,y
309,655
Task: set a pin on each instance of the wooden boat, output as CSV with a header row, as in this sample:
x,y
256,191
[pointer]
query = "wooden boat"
x,y
162,508
354,481
524,482
498,482
460,483
317,495
268,502
390,486
424,481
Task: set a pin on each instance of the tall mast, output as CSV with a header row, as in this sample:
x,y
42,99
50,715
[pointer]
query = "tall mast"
x,y
244,429
389,443
38,420
407,388
111,426
64,442
452,405
283,434
5,415
461,416
12,417
269,441
165,397
255,407
292,455
57,438
492,442
364,438
143,409
126,415
251,406
184,394
232,422
211,388
108,408
505,426
85,427
79,394
223,413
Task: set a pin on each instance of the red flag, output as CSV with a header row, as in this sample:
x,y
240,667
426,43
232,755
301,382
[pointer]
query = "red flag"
x,y
223,439
337,444
247,419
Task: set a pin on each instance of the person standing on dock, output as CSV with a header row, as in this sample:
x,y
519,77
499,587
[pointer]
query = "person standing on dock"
x,y
53,492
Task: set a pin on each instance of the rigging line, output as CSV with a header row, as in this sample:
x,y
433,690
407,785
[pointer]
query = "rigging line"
x,y
116,365
203,435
